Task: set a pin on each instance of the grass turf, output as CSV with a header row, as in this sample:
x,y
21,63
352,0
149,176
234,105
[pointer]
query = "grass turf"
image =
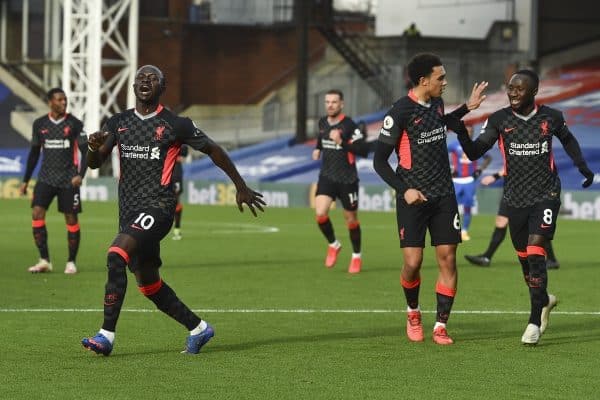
x,y
286,327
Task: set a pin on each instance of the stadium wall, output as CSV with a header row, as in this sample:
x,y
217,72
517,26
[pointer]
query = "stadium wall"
x,y
583,205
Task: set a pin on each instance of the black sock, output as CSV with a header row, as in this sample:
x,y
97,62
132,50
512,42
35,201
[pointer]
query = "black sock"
x,y
355,234
326,228
445,300
525,268
411,292
114,291
167,301
40,236
73,238
549,251
497,238
538,282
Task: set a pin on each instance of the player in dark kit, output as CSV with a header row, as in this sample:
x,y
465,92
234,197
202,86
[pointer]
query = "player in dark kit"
x,y
338,142
178,187
425,199
149,138
501,224
532,187
60,137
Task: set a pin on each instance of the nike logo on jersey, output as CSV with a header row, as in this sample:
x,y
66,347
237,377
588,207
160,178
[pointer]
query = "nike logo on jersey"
x,y
544,226
44,131
418,121
507,130
122,129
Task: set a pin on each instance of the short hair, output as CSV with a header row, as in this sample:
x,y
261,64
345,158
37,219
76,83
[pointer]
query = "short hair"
x,y
421,66
50,94
535,79
336,91
161,76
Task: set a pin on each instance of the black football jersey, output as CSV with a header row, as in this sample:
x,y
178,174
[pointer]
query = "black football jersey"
x,y
148,147
59,141
339,164
525,143
418,134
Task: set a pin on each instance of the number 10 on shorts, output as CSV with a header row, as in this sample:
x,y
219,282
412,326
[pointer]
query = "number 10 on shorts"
x,y
145,220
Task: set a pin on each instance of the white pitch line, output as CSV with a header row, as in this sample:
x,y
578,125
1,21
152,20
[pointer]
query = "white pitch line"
x,y
285,311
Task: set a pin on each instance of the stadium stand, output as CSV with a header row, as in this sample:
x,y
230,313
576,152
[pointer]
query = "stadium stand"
x,y
575,91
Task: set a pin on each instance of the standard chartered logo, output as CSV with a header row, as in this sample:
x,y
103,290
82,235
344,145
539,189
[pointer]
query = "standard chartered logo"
x,y
57,144
155,155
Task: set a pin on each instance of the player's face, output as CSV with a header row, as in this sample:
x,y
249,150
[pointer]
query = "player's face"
x,y
521,94
436,82
58,104
147,84
333,105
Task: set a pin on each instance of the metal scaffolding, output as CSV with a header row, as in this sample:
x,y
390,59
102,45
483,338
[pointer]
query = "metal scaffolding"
x,y
91,59
91,29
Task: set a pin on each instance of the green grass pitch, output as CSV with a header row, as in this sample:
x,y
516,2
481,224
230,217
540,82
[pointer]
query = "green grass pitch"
x,y
287,327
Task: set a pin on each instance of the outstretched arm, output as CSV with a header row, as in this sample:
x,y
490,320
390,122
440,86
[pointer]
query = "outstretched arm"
x,y
244,194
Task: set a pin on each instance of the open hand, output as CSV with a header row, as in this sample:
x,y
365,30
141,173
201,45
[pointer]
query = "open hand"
x,y
477,95
251,198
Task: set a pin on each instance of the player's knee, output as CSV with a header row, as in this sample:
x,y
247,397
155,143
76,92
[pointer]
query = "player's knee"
x,y
116,259
322,218
353,224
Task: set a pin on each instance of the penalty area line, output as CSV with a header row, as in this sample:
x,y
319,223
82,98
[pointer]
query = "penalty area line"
x,y
287,311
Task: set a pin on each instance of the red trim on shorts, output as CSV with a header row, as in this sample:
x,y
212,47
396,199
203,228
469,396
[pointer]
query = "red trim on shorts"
x,y
536,251
151,289
321,219
521,254
353,225
178,207
119,251
404,151
38,223
169,164
410,285
73,228
446,291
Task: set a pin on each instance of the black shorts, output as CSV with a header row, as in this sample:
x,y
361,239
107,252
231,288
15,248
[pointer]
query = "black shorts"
x,y
538,219
439,215
69,201
503,208
346,192
148,228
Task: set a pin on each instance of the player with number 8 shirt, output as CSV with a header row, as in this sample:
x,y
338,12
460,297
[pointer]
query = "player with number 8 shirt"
x,y
532,187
